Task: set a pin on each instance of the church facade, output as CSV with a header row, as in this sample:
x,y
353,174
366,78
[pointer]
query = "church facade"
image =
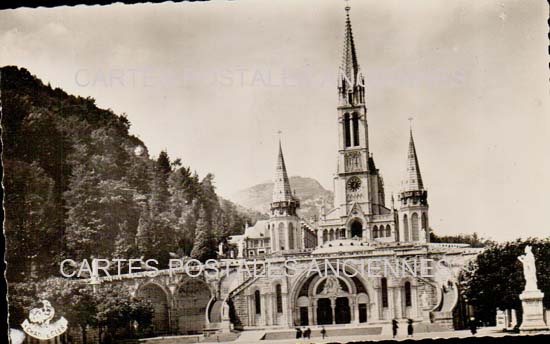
x,y
359,229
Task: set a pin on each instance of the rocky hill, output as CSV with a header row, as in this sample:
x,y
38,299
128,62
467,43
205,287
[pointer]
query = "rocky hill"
x,y
310,192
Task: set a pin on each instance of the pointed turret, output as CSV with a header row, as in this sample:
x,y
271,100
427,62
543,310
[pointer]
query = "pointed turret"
x,y
413,199
413,178
281,189
283,199
284,224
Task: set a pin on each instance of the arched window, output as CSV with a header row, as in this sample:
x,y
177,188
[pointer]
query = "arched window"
x,y
331,235
414,227
281,235
343,233
388,231
290,236
384,287
357,229
325,236
408,299
257,302
347,131
424,225
355,123
406,227
375,232
279,296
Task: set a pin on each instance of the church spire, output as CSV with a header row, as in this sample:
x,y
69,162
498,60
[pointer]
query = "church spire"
x,y
413,178
350,66
351,80
281,188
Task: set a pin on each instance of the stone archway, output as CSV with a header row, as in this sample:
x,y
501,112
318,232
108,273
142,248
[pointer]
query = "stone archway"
x,y
313,296
158,298
192,298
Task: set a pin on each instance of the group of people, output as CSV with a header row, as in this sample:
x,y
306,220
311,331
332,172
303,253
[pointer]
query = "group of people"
x,y
395,326
306,332
472,324
303,332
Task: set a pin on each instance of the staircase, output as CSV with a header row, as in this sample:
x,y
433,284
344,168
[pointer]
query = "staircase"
x,y
331,332
221,337
171,340
246,283
236,291
250,337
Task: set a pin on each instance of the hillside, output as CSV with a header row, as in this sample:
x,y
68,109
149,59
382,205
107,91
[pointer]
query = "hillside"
x,y
310,192
79,184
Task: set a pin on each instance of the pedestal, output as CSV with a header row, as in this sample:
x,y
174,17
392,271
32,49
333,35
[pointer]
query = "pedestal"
x,y
226,326
533,316
501,320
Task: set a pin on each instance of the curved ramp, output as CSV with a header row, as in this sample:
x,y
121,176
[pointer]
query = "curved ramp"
x,y
443,315
215,315
449,298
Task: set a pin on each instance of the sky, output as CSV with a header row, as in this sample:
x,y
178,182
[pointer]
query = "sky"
x,y
214,82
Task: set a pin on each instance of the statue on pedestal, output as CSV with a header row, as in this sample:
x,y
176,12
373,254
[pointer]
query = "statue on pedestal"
x,y
240,253
531,298
225,311
529,269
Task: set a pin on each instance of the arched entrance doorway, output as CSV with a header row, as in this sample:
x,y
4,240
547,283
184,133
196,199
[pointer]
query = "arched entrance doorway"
x,y
324,312
157,297
342,312
357,229
332,299
192,299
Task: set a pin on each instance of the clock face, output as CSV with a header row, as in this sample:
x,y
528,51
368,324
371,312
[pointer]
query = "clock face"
x,y
354,184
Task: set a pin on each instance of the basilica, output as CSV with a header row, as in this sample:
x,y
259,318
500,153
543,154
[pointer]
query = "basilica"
x,y
360,228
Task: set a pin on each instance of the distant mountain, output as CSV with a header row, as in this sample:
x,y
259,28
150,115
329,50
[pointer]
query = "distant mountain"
x,y
308,190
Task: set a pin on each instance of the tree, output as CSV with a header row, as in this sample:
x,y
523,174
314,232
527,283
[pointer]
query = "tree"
x,y
495,279
204,246
21,298
473,239
116,309
156,237
163,163
73,300
30,229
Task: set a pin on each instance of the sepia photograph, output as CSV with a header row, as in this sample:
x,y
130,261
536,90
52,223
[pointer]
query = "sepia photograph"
x,y
276,172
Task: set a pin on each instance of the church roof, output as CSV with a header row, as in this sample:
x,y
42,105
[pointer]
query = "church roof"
x,y
281,189
259,230
413,178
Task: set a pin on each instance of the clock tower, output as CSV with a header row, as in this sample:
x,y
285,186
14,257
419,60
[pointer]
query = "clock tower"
x,y
359,211
357,181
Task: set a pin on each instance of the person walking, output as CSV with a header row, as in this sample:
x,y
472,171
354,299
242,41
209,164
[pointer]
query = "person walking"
x,y
473,326
298,333
410,328
323,332
307,333
394,327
